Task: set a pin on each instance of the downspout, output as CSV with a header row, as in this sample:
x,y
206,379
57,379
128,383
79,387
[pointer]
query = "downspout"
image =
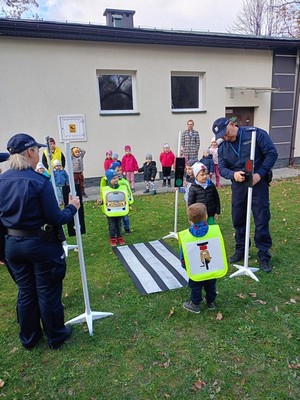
x,y
296,108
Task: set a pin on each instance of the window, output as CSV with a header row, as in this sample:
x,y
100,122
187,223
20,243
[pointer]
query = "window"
x,y
117,21
186,91
117,93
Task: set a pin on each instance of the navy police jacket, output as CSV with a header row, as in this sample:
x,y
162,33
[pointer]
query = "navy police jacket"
x,y
27,201
233,156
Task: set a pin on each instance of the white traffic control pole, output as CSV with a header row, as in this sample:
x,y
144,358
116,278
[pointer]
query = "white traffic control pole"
x,y
244,269
88,316
173,235
66,246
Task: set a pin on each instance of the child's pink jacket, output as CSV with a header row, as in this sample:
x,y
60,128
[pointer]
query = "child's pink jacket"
x,y
107,163
129,163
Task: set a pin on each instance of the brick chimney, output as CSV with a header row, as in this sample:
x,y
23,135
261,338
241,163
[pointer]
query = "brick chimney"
x,y
119,18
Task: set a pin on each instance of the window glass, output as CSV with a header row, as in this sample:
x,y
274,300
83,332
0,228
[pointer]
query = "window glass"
x,y
116,93
117,22
185,92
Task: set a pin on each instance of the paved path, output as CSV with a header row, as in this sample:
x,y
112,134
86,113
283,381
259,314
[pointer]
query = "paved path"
x,y
279,173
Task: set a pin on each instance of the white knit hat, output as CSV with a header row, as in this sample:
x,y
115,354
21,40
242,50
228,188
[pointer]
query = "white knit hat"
x,y
55,163
40,165
197,167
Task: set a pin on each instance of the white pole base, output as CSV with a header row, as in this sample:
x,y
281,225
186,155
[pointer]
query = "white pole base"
x,y
172,235
67,247
89,318
245,271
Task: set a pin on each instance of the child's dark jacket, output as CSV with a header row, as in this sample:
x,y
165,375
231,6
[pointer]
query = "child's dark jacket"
x,y
208,196
209,163
150,171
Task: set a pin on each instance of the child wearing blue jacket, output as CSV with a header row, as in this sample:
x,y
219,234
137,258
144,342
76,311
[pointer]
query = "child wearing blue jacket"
x,y
61,179
197,215
207,160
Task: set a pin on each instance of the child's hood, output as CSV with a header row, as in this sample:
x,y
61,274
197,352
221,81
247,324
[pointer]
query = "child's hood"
x,y
199,229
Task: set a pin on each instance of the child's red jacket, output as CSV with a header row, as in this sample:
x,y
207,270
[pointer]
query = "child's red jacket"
x,y
129,163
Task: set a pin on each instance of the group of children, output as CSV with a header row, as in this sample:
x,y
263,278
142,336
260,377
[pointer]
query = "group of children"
x,y
61,176
116,195
203,209
130,167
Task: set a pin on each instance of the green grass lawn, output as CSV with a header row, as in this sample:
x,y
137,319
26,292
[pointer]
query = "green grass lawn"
x,y
151,348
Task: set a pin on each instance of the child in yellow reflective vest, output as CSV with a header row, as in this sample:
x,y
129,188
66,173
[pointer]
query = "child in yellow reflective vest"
x,y
114,200
123,182
202,254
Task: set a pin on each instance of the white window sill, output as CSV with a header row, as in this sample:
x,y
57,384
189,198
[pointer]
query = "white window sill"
x,y
120,112
188,110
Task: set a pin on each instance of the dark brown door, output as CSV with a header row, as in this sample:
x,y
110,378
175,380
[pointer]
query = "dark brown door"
x,y
243,116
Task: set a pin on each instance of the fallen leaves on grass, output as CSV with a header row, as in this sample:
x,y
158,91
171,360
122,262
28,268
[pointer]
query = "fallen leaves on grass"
x,y
171,312
1,383
134,337
291,301
241,296
13,350
198,385
294,366
252,295
219,316
164,364
261,301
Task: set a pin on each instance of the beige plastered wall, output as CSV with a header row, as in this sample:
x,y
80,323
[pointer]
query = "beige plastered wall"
x,y
41,79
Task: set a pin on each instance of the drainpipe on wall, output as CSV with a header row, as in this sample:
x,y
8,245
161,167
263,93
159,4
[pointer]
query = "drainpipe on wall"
x,y
296,108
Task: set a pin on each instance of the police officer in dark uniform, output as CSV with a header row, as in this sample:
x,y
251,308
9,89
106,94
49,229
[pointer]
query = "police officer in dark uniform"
x,y
233,153
32,219
3,157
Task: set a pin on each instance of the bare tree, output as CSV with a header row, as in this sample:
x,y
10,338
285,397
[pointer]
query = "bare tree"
x,y
268,18
17,8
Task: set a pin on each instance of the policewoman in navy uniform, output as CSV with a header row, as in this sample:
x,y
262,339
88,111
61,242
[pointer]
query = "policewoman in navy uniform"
x,y
233,153
33,249
3,157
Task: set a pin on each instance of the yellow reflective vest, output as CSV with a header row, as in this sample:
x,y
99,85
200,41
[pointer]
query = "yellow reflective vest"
x,y
57,155
205,257
123,182
114,201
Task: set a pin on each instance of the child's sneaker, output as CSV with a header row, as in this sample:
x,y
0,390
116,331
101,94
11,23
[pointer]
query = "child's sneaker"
x,y
121,241
164,183
113,242
211,306
153,192
127,231
190,306
146,191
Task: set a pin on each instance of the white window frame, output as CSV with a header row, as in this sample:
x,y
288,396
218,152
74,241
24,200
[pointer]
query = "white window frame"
x,y
134,96
200,76
117,18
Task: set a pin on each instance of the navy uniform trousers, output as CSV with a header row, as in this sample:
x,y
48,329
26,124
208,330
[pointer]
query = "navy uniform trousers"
x,y
261,215
39,268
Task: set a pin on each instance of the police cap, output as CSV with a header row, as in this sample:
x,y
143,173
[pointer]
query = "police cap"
x,y
21,142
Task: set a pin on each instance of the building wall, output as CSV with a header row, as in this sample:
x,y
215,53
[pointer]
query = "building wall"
x,y
41,79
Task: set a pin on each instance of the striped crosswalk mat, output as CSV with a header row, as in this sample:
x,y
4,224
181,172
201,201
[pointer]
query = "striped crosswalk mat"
x,y
153,266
